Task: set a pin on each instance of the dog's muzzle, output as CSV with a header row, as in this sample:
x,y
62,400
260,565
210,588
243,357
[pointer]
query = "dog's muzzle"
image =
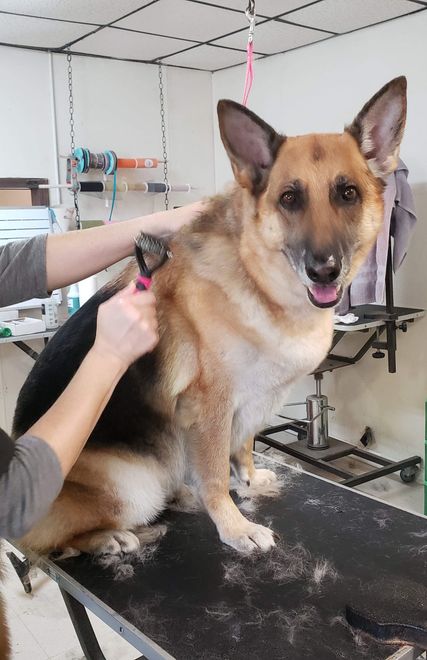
x,y
323,272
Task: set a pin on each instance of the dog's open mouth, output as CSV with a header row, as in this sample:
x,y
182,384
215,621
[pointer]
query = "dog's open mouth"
x,y
324,295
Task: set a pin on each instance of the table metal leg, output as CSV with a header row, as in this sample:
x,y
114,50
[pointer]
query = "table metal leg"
x,y
83,628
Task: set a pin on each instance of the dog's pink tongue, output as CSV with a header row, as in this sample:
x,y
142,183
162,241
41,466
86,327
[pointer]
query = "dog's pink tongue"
x,y
324,294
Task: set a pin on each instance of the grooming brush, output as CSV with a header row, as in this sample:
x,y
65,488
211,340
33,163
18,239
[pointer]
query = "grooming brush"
x,y
156,250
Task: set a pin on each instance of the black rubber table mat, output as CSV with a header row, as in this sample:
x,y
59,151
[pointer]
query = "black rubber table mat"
x,y
198,599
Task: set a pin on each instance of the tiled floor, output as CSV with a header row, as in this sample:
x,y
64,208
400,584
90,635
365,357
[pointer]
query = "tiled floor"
x,y
39,623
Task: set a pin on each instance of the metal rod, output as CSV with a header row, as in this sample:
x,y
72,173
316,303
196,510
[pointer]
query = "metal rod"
x,y
54,126
29,351
391,311
318,380
368,456
382,471
52,186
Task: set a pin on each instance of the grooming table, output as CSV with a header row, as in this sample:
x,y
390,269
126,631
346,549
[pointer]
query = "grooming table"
x,y
313,444
372,319
196,599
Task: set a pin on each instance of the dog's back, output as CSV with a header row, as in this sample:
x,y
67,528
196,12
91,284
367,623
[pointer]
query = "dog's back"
x,y
59,362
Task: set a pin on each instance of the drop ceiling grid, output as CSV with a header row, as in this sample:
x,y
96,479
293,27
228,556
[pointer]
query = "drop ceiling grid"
x,y
187,33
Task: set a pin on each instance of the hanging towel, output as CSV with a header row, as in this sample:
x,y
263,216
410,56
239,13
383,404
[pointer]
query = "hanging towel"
x,y
399,220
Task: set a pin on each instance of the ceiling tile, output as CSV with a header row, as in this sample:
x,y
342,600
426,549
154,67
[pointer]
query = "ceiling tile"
x,y
188,20
343,16
263,7
274,37
24,31
129,45
90,11
207,57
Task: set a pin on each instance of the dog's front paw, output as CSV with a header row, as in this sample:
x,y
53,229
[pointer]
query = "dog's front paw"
x,y
263,477
262,483
250,537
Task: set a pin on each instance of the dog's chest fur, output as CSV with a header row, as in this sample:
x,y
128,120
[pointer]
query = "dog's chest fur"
x,y
261,372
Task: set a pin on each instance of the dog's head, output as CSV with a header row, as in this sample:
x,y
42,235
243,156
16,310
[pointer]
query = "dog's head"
x,y
319,196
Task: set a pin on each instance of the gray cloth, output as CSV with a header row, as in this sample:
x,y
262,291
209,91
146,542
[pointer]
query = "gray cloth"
x,y
29,486
399,221
30,473
23,270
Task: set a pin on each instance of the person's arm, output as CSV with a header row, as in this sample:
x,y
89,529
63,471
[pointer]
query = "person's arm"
x,y
32,469
37,266
23,270
126,329
75,255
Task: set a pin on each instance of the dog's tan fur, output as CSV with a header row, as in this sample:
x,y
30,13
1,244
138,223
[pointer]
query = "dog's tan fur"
x,y
237,329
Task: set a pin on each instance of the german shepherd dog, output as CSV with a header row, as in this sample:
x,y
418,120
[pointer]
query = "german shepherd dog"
x,y
245,308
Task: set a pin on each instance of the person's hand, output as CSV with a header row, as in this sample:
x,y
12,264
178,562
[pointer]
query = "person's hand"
x,y
164,223
127,326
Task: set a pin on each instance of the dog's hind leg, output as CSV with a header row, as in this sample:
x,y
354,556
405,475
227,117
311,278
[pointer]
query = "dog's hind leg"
x,y
78,510
106,542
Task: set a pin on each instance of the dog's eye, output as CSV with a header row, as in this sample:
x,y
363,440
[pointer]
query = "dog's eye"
x,y
349,194
288,198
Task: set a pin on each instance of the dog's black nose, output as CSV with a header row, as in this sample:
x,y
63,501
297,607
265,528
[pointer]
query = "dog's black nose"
x,y
321,269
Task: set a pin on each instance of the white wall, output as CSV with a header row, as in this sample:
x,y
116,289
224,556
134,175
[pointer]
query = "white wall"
x,y
116,107
320,88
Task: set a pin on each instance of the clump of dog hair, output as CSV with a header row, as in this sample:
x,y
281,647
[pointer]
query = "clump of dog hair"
x,y
248,505
335,504
419,535
123,565
284,564
143,616
124,572
382,520
416,551
294,622
322,570
220,612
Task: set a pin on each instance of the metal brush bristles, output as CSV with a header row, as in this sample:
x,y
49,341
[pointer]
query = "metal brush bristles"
x,y
151,247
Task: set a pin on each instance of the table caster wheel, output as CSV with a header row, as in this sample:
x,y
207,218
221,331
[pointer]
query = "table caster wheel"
x,y
408,474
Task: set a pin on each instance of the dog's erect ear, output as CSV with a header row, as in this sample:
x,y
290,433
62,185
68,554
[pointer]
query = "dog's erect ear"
x,y
379,126
251,144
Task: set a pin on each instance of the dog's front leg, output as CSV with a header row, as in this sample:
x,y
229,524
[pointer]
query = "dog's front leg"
x,y
242,463
210,455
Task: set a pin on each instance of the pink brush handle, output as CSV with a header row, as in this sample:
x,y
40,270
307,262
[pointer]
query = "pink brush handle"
x,y
142,283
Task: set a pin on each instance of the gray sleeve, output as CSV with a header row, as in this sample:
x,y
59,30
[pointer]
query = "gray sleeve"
x,y
23,270
28,487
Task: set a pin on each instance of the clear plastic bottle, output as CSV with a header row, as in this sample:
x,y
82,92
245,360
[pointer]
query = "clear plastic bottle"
x,y
73,300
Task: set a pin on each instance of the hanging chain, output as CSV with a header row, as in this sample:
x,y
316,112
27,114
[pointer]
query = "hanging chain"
x,y
72,144
164,145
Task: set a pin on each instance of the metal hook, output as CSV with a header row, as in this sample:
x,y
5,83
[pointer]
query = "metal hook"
x,y
250,10
250,15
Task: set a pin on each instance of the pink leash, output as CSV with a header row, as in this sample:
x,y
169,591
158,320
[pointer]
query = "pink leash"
x,y
250,15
